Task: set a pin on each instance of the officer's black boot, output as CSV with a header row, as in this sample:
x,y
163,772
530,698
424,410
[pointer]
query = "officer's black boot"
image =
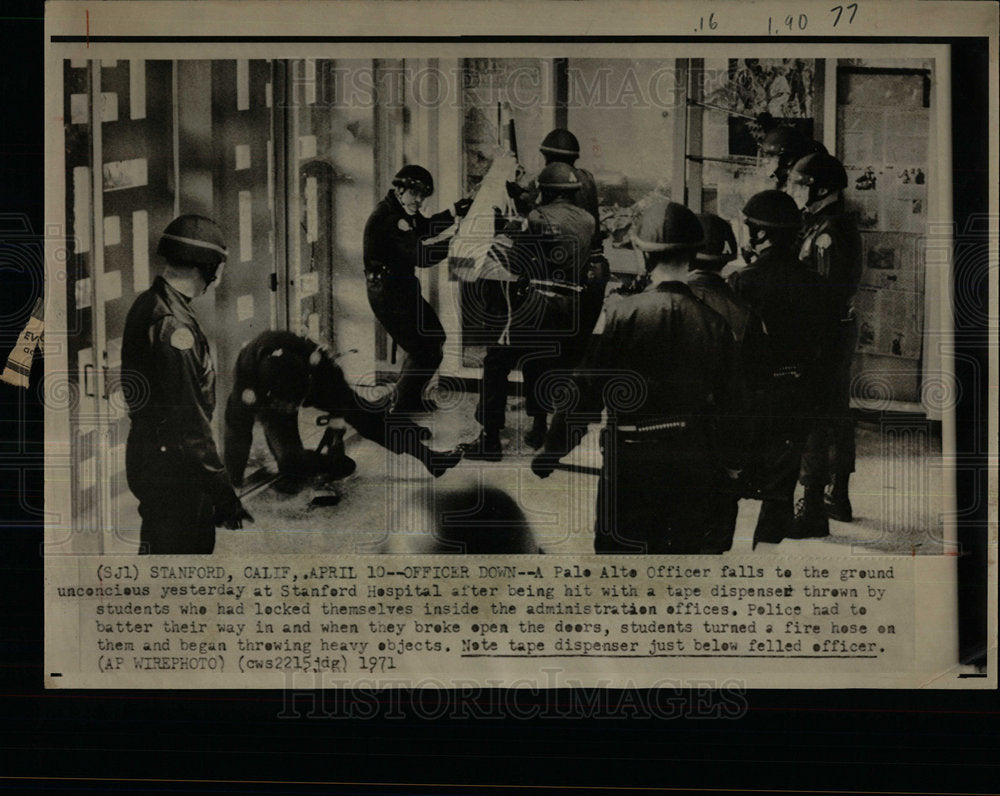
x,y
836,500
811,521
775,521
535,438
485,449
440,462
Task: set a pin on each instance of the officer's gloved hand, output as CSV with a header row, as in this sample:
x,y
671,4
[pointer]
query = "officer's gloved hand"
x,y
461,208
543,464
231,514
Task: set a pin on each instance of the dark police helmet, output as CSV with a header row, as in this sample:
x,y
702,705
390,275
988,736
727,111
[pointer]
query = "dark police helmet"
x,y
772,210
667,226
415,177
284,376
720,242
192,240
819,170
558,177
561,143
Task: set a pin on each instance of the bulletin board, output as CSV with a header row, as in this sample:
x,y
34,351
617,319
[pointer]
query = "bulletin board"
x,y
883,127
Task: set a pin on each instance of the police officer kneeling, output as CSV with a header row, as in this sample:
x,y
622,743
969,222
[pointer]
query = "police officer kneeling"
x,y
171,461
664,369
276,373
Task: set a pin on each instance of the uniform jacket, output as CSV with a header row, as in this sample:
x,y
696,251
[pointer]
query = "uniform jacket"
x,y
555,245
663,355
164,347
753,353
792,302
395,243
830,245
329,392
585,198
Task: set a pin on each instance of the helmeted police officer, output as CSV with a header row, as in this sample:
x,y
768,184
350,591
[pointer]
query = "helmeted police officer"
x,y
561,146
664,369
791,302
781,148
398,239
752,352
830,245
547,324
276,373
171,461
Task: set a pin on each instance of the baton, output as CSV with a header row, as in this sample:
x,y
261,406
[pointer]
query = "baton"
x,y
729,111
702,159
577,468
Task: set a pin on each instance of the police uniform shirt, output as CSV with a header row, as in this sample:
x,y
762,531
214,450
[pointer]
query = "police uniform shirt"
x,y
710,287
792,303
328,391
830,245
163,345
683,351
556,242
585,198
396,243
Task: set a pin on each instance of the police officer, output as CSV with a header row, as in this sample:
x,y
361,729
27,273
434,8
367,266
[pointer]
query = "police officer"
x,y
398,239
561,146
547,326
171,461
830,245
276,373
753,355
781,148
790,300
664,369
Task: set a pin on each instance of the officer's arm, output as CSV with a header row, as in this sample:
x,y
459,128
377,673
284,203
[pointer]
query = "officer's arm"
x,y
428,250
179,366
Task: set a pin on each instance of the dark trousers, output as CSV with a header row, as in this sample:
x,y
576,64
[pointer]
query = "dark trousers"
x,y
414,326
830,448
778,457
662,496
177,517
546,338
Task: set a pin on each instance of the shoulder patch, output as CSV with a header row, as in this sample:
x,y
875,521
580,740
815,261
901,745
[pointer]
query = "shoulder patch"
x,y
403,225
182,339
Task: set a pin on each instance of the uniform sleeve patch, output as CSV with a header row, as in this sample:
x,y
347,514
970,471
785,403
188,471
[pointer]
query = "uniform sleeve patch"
x,y
403,225
182,339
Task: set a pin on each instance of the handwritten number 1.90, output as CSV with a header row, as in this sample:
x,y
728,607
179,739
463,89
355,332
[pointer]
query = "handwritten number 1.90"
x,y
802,21
839,10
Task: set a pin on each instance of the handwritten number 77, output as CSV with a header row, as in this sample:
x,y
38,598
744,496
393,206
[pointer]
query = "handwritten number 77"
x,y
839,10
